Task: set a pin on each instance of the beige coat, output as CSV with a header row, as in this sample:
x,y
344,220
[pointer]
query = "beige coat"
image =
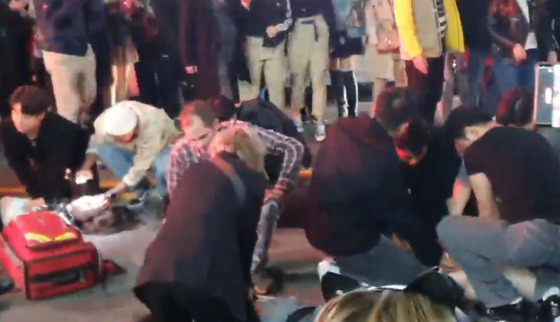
x,y
156,131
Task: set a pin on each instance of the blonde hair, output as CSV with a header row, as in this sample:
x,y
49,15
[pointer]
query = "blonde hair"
x,y
244,143
350,307
383,306
395,306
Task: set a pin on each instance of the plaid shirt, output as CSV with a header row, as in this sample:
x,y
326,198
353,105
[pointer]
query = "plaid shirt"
x,y
186,152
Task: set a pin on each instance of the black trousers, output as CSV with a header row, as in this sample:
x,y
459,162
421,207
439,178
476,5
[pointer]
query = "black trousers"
x,y
427,87
177,303
158,81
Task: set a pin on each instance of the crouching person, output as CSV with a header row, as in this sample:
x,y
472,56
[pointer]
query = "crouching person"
x,y
42,148
515,176
198,267
130,139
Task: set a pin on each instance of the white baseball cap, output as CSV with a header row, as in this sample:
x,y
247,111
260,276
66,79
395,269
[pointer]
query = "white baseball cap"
x,y
120,119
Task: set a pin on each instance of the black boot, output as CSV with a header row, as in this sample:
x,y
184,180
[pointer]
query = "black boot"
x,y
337,85
351,92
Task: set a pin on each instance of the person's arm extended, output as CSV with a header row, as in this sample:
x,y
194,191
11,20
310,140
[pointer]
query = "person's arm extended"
x,y
461,195
292,151
482,188
404,17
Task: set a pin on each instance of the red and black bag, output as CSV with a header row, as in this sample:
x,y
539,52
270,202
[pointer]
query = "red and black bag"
x,y
46,257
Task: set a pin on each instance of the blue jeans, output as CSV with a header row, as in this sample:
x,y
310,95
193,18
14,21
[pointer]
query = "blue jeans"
x,y
482,246
475,72
120,160
510,76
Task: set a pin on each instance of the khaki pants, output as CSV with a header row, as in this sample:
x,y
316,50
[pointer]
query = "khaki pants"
x,y
271,61
309,51
73,79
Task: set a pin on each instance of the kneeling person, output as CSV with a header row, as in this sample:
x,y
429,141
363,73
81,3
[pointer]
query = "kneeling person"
x,y
132,138
42,147
515,175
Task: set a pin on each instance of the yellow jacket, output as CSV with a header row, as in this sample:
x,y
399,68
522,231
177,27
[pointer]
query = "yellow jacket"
x,y
418,32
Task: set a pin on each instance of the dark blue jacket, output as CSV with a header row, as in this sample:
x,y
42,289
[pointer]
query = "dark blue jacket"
x,y
67,25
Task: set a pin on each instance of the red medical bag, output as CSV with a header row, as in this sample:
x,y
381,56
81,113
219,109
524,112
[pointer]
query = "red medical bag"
x,y
46,257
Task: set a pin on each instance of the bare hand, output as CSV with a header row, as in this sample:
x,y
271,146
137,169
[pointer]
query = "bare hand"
x,y
519,53
18,5
191,69
246,3
421,64
35,205
83,176
273,195
553,57
271,31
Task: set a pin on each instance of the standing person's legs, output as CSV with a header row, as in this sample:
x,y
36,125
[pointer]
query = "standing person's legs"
x,y
427,87
255,63
168,73
318,69
445,104
526,71
505,75
384,264
299,55
88,82
475,71
225,81
65,79
350,84
274,75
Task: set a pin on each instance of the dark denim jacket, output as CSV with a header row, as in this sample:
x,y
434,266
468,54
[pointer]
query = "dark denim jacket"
x,y
66,25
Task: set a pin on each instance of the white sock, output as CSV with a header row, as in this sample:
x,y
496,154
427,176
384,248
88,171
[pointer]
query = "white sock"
x,y
551,292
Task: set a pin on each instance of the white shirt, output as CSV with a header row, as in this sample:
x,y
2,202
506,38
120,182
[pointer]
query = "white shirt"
x,y
531,42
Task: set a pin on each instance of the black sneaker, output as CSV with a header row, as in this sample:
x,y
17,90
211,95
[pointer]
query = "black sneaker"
x,y
524,311
549,309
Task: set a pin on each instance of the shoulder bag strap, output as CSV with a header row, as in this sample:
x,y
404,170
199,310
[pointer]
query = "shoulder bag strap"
x,y
234,178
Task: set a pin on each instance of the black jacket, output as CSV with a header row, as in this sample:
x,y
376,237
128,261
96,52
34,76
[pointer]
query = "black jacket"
x,y
474,18
208,238
264,114
265,13
41,167
508,31
67,26
358,186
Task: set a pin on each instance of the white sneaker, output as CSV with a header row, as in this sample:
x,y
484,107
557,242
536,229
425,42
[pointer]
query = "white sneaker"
x,y
320,132
299,125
